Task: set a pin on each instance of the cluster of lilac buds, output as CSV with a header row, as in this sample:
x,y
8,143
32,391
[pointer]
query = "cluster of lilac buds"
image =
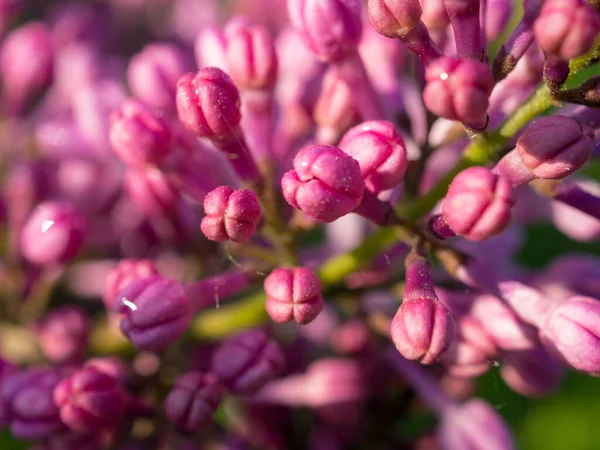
x,y
292,224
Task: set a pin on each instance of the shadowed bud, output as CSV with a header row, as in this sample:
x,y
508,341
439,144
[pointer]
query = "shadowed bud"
x,y
151,191
63,334
230,214
326,183
394,18
193,400
293,294
124,273
532,373
156,312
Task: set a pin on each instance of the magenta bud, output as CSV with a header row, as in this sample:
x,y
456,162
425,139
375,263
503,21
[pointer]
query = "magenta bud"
x,y
110,365
532,373
394,18
230,214
63,334
251,58
90,401
193,400
151,191
380,152
571,333
478,204
208,103
293,294
247,361
330,28
53,233
156,312
138,135
153,73
326,183
124,273
459,89
566,28
497,18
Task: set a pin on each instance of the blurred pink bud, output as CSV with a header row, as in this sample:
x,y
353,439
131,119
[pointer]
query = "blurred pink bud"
x,y
63,334
151,191
124,273
434,15
532,373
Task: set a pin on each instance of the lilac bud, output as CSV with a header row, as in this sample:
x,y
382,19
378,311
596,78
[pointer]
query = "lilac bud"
x,y
497,18
532,373
156,312
394,18
380,152
293,294
246,361
124,273
90,401
459,89
478,204
54,233
139,136
153,73
151,191
465,18
110,365
566,28
434,15
230,214
208,103
193,399
63,334
326,183
210,48
330,28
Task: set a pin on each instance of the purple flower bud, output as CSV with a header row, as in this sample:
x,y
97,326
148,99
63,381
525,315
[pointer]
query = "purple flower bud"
x,y
330,28
497,18
394,18
138,135
380,152
571,333
208,103
153,73
124,273
53,233
156,312
230,214
293,294
532,373
478,204
246,361
465,18
151,191
566,28
90,401
326,183
193,399
63,334
459,89
251,58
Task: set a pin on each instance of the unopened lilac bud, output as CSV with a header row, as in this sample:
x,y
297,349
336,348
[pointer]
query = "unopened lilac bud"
x,y
124,273
63,334
208,103
459,89
497,18
532,373
138,135
156,312
566,28
251,58
151,191
478,204
193,399
110,365
394,18
230,214
293,294
434,15
153,73
53,233
326,183
246,361
90,401
380,152
330,28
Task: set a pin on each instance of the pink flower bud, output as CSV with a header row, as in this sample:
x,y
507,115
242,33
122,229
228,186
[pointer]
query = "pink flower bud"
x,y
151,191
153,73
566,28
251,58
156,312
394,18
434,15
138,135
230,214
193,399
90,401
459,89
478,204
532,373
208,103
63,334
380,152
124,273
247,361
293,294
326,183
330,28
53,233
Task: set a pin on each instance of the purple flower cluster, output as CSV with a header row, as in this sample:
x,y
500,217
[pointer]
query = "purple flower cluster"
x,y
204,211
